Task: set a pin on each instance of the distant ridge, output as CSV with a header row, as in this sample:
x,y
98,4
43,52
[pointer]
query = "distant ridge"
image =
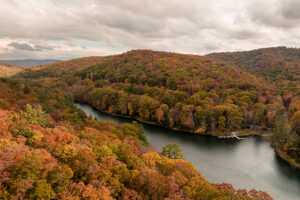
x,y
7,70
28,62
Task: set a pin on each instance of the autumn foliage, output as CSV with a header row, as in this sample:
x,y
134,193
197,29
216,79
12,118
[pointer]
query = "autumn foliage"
x,y
256,92
80,158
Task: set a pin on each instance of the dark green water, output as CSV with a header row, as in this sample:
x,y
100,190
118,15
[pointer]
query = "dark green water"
x,y
249,163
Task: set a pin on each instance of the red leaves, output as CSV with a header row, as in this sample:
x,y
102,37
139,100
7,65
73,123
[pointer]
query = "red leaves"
x,y
131,195
259,195
224,186
152,184
103,162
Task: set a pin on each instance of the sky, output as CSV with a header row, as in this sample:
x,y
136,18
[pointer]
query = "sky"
x,y
65,29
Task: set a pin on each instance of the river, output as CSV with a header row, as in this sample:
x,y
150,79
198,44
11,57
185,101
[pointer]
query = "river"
x,y
249,163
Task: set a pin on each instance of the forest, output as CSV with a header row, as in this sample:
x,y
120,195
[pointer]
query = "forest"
x,y
49,149
197,94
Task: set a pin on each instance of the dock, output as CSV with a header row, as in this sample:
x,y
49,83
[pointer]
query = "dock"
x,y
233,135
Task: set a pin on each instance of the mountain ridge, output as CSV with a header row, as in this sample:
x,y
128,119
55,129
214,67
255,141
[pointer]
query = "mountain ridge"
x,y
29,62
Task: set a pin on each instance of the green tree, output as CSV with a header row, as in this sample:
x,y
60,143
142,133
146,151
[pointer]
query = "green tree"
x,y
36,115
173,151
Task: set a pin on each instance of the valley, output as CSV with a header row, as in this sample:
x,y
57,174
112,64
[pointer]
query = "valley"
x,y
197,96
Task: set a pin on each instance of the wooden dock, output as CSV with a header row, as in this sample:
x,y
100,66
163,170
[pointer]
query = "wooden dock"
x,y
233,135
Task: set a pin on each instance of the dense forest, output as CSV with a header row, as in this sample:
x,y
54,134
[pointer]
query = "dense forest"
x,y
281,67
49,149
202,95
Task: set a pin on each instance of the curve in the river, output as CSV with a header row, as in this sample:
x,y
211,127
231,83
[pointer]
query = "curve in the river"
x,y
249,163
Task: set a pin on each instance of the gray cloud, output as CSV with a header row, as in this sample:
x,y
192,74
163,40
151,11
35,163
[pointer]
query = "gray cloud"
x,y
276,13
75,28
27,47
290,9
21,46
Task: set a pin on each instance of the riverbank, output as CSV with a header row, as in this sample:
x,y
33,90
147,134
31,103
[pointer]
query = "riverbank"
x,y
240,133
250,162
282,155
285,157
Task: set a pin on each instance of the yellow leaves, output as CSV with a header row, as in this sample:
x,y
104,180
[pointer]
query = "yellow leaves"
x,y
201,189
36,136
68,151
92,193
200,130
151,159
103,151
4,143
130,108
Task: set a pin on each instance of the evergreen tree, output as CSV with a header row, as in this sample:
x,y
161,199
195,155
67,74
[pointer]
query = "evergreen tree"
x,y
173,151
36,115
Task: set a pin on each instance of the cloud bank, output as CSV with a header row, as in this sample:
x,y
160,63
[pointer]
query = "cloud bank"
x,y
75,28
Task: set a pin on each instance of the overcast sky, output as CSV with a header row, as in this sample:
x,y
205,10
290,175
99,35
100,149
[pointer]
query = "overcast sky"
x,y
64,29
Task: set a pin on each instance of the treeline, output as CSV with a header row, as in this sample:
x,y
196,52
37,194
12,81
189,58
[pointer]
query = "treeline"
x,y
179,91
175,111
193,93
186,92
281,67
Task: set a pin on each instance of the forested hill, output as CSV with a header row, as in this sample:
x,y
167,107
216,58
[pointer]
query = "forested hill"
x,y
182,92
59,69
275,64
279,66
49,149
178,91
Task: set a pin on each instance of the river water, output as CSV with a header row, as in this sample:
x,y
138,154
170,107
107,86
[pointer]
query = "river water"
x,y
248,163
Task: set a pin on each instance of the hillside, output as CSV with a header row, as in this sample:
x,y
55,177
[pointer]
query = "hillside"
x,y
185,92
8,70
63,154
182,92
59,69
168,82
28,62
280,65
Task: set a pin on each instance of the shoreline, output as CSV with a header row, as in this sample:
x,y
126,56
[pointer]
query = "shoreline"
x,y
285,157
210,133
245,132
